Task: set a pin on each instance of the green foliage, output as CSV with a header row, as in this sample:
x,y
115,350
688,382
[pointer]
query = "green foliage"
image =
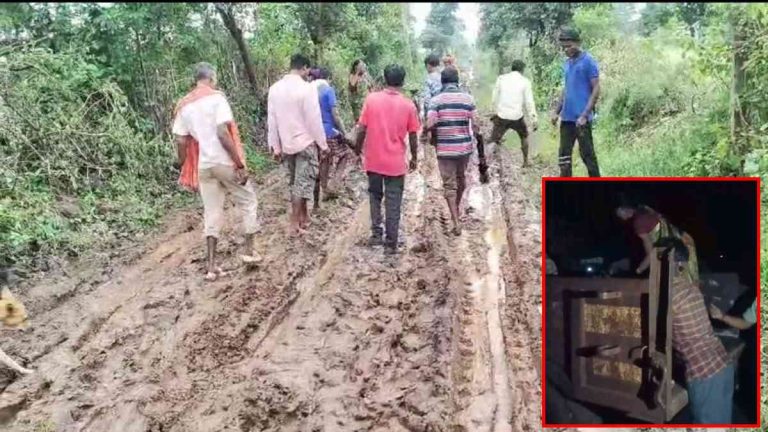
x,y
88,95
537,21
656,15
67,131
442,26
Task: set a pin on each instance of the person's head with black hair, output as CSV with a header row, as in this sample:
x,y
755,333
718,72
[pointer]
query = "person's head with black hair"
x,y
358,67
394,75
432,62
518,66
449,75
300,65
570,41
322,73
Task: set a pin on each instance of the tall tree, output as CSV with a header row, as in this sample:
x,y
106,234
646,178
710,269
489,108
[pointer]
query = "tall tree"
x,y
692,14
442,25
501,21
738,123
656,15
323,21
227,13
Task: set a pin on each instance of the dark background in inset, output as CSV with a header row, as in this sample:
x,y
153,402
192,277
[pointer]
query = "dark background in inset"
x,y
720,216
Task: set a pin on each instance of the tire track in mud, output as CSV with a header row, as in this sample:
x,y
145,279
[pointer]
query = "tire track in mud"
x,y
522,309
369,340
128,356
325,336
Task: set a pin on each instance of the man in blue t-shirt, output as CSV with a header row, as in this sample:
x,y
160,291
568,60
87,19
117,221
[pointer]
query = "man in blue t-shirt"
x,y
575,108
331,166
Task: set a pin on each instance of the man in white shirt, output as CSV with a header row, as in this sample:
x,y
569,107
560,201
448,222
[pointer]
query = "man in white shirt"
x,y
204,123
512,101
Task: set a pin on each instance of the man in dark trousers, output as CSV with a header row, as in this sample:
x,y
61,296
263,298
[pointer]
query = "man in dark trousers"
x,y
387,117
575,108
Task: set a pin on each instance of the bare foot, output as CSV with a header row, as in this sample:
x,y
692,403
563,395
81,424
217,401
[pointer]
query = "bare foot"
x,y
294,232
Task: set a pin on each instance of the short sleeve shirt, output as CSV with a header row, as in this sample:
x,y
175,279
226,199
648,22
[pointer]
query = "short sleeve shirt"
x,y
579,73
200,120
327,96
451,112
750,315
388,118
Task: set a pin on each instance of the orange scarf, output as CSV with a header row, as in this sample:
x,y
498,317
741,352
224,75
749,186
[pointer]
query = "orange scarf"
x,y
189,177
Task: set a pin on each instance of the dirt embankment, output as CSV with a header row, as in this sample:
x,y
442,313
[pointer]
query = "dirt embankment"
x,y
327,335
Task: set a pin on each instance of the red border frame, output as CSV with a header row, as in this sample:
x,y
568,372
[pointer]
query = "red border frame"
x,y
544,181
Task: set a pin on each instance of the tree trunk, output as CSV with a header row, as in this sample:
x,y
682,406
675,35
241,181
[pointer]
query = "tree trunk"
x,y
228,17
737,86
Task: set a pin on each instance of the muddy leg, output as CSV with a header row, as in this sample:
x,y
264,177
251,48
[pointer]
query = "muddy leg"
x,y
452,200
393,201
376,194
296,215
524,146
211,243
461,183
317,196
249,244
304,215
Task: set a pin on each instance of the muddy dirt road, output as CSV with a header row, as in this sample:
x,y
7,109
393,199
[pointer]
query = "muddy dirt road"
x,y
327,335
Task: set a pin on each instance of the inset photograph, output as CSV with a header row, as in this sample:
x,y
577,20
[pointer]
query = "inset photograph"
x,y
651,294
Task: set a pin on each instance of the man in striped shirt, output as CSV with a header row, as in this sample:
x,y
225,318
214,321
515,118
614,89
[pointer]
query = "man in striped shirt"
x,y
452,119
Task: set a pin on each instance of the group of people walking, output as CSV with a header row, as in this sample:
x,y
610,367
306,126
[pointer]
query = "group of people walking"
x,y
306,134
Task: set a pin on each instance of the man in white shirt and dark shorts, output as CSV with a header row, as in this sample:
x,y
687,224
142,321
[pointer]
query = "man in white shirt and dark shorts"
x,y
512,101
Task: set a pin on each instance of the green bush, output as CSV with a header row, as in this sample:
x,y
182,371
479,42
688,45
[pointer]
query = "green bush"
x,y
67,132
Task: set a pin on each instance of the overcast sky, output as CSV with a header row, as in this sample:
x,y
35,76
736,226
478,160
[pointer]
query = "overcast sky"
x,y
468,12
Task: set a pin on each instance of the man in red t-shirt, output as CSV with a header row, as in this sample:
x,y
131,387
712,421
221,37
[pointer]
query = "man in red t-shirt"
x,y
387,117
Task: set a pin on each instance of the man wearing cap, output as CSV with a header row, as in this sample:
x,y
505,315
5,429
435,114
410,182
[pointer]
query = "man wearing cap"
x,y
575,107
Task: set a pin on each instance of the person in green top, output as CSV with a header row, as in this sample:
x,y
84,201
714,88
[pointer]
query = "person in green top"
x,y
744,322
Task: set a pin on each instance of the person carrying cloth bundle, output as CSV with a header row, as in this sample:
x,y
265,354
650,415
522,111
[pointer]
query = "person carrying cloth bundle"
x,y
213,162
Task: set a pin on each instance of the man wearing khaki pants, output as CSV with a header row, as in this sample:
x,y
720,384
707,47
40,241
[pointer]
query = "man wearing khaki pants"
x,y
212,160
